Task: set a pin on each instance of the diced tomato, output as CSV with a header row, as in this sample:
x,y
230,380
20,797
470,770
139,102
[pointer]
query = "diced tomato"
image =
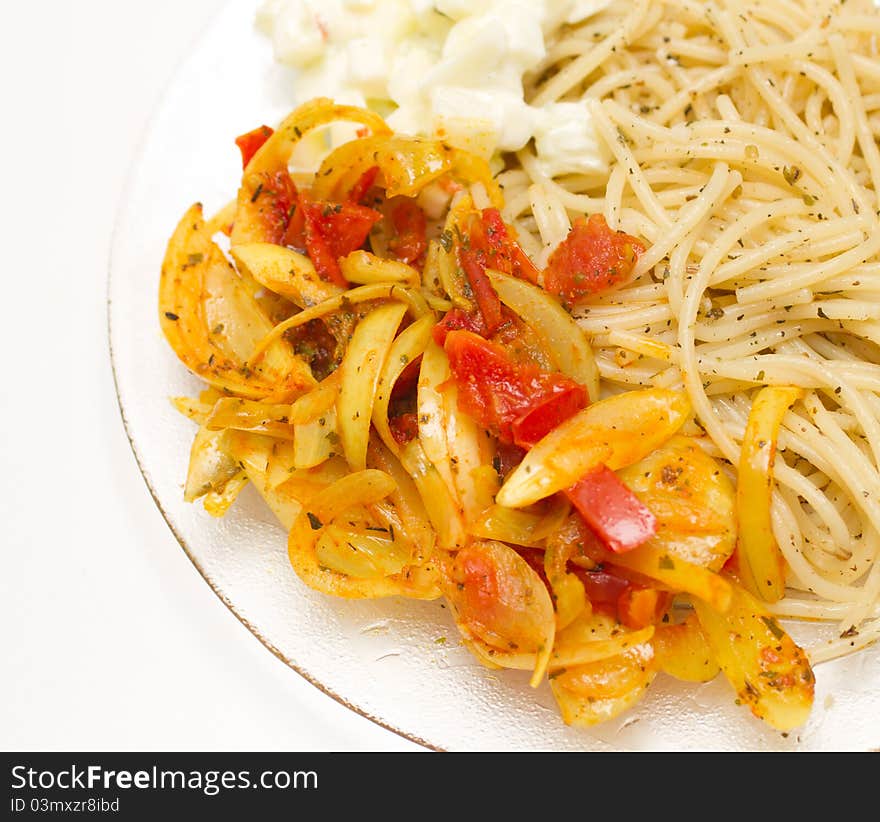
x,y
591,259
363,185
404,428
275,196
409,242
546,414
481,287
249,144
505,254
499,392
334,230
488,244
613,512
456,320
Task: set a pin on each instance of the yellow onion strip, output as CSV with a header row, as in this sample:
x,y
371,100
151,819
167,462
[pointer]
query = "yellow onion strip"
x,y
616,432
761,564
406,348
674,572
213,353
359,373
378,291
405,498
592,637
683,651
562,336
363,268
771,675
470,457
406,166
285,272
431,411
210,465
355,491
569,596
253,452
247,415
441,263
442,507
598,691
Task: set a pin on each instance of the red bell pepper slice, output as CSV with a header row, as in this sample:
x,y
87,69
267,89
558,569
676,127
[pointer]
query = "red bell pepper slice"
x,y
617,516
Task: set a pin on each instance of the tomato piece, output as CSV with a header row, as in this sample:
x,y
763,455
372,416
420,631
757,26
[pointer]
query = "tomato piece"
x,y
547,413
334,230
275,196
613,512
249,144
505,254
409,242
591,259
363,185
488,244
481,287
457,320
499,392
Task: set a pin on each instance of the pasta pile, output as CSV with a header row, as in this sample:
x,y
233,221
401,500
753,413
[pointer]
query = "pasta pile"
x,y
742,142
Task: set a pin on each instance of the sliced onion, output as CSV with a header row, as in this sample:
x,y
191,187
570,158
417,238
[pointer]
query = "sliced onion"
x,y
359,377
761,564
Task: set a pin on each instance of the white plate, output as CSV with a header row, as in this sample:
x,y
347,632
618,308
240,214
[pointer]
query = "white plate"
x,y
397,662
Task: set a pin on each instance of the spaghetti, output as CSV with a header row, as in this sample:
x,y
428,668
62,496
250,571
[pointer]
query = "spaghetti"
x,y
744,145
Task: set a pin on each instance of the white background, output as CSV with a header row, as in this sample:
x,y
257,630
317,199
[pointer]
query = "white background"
x,y
110,639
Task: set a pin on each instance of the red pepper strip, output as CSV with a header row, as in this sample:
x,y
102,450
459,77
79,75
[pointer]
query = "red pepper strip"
x,y
615,513
363,185
547,413
481,286
249,144
497,391
409,242
510,258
